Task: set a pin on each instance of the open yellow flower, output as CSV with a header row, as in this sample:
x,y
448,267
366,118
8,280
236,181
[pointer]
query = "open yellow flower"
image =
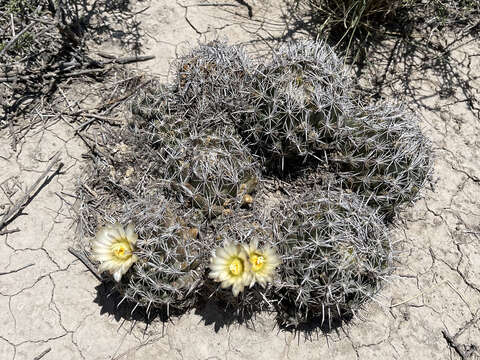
x,y
113,248
231,267
262,263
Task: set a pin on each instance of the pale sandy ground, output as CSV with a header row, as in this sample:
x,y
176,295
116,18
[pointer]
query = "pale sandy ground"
x,y
50,304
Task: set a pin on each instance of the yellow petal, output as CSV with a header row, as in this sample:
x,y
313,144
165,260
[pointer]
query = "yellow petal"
x,y
227,282
231,249
109,266
101,249
236,289
218,267
102,257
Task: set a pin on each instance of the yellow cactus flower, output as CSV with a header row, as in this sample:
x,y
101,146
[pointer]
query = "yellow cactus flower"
x,y
113,248
231,267
262,263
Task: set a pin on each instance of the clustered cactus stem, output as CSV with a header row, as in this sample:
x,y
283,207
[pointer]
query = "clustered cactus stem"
x,y
192,173
341,249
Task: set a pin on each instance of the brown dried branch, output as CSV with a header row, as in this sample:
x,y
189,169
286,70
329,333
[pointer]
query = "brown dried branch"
x,y
85,262
14,210
125,60
5,232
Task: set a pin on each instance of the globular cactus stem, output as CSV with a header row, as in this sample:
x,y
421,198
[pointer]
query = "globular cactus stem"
x,y
336,253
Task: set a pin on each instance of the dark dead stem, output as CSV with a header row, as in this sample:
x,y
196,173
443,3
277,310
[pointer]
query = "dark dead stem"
x,y
43,180
80,256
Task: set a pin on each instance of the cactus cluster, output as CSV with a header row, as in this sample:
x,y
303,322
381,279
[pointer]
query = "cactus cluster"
x,y
197,167
301,110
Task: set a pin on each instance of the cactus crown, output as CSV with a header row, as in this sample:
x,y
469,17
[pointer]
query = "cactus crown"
x,y
336,252
171,259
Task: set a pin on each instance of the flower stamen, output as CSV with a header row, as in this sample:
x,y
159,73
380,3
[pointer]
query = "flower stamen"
x,y
121,250
257,261
236,267
262,263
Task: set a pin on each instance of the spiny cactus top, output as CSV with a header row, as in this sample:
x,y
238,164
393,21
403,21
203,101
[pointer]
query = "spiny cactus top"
x,y
336,252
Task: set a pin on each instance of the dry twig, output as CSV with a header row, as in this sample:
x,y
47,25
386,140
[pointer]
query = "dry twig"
x,y
85,262
42,354
14,210
5,232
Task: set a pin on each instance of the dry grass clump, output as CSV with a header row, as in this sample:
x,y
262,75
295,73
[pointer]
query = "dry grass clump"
x,y
440,14
192,170
29,48
350,24
42,49
353,25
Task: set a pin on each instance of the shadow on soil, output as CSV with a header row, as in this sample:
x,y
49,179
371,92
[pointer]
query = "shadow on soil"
x,y
406,62
110,302
219,313
106,20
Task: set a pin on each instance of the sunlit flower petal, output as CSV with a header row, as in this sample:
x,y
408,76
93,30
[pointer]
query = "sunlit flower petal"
x,y
262,263
113,247
231,267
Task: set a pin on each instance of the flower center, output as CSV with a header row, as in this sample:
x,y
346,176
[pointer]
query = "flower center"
x,y
236,267
121,250
257,261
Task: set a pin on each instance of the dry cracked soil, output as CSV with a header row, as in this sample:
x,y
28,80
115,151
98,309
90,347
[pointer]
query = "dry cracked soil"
x,y
429,310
